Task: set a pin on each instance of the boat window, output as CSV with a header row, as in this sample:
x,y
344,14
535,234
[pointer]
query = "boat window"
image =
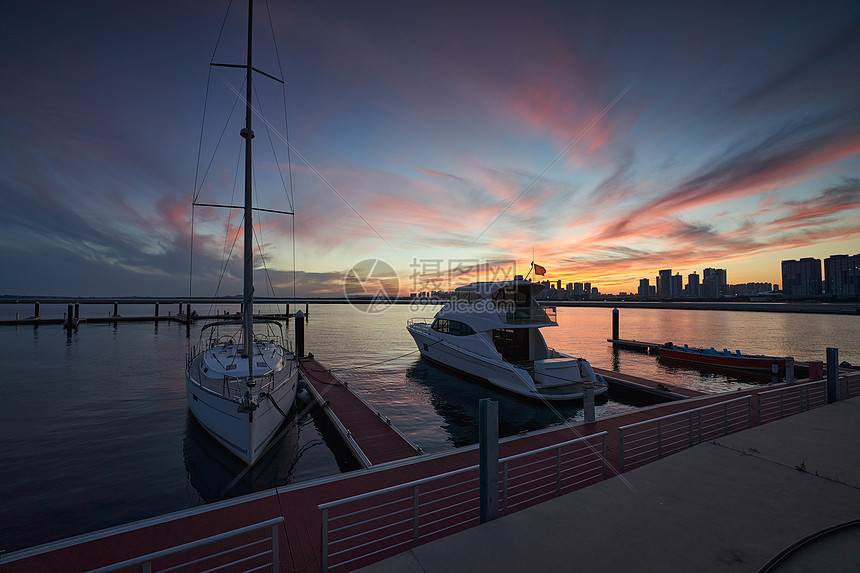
x,y
467,296
519,296
454,327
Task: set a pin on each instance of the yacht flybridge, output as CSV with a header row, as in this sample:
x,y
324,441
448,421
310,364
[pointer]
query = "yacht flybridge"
x,y
491,330
241,380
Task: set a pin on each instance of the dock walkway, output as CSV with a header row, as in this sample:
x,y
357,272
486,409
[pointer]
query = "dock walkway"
x,y
732,504
370,436
299,538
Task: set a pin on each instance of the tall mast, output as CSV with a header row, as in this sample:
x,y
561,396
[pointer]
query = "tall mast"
x,y
248,289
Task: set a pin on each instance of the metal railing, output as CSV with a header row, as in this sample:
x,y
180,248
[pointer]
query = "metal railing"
x,y
649,440
385,522
790,400
254,555
851,384
527,315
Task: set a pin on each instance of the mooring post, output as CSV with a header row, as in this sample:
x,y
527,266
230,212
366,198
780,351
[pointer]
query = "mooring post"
x,y
488,438
307,314
69,320
36,310
789,370
588,402
614,324
116,309
77,310
180,308
156,309
832,375
300,334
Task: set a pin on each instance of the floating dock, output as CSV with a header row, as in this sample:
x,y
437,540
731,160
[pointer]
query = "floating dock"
x,y
634,345
653,387
369,434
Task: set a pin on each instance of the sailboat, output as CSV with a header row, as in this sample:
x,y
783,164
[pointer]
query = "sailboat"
x,y
241,379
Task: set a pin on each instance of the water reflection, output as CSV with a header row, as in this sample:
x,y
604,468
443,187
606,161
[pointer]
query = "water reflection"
x,y
213,471
455,398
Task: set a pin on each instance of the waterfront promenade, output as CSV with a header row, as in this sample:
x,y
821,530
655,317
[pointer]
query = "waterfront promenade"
x,y
731,504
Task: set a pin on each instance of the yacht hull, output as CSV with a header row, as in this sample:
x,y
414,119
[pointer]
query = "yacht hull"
x,y
243,433
497,372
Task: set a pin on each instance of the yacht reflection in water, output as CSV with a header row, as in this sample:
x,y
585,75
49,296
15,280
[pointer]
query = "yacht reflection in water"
x,y
457,404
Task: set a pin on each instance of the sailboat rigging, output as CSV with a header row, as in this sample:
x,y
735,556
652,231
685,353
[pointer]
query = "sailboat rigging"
x,y
240,384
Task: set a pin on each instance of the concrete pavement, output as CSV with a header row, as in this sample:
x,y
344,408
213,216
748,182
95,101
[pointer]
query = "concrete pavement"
x,y
728,505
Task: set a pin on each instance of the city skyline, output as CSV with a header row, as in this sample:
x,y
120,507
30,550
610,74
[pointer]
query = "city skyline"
x,y
604,142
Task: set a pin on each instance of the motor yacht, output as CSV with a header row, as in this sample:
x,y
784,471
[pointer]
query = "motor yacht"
x,y
491,330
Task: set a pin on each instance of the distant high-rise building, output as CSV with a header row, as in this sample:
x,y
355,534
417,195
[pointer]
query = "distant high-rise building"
x,y
643,288
577,289
713,283
692,290
664,284
558,284
842,275
677,286
586,289
801,278
595,292
569,288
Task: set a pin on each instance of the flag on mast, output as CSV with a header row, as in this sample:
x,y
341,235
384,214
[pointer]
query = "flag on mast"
x,y
539,270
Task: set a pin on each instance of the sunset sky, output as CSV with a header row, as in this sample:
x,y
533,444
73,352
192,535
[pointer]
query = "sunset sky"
x,y
610,139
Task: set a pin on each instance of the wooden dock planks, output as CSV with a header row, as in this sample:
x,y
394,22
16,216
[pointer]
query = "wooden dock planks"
x,y
374,436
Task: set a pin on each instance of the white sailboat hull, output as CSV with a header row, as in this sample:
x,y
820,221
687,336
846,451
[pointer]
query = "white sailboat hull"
x,y
244,433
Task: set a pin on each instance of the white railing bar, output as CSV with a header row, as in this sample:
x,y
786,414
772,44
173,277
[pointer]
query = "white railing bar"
x,y
237,562
369,519
552,447
684,412
186,546
219,554
452,516
444,487
430,514
392,488
447,497
421,481
365,509
380,540
794,387
368,532
426,508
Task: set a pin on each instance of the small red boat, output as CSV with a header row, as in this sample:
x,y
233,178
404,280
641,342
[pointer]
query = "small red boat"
x,y
723,358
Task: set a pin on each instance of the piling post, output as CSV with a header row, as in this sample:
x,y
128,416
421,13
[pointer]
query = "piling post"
x,y
832,375
588,402
614,324
180,308
789,370
300,334
488,438
156,310
36,310
69,320
307,314
116,309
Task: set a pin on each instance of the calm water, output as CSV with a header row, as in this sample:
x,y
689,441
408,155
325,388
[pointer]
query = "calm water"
x,y
96,431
